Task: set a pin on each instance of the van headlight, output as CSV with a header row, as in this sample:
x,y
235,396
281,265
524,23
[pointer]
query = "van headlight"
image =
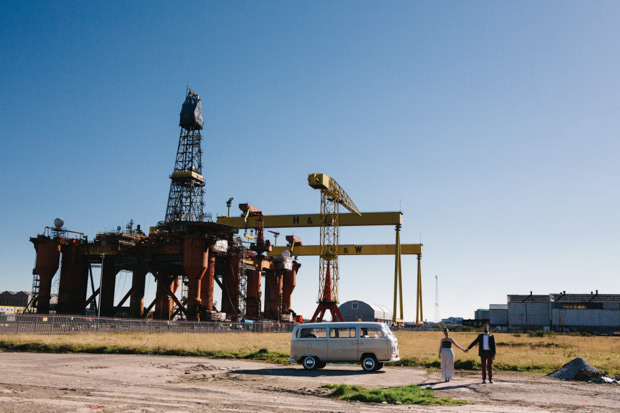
x,y
394,349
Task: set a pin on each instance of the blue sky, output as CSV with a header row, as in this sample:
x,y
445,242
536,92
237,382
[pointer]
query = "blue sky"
x,y
493,126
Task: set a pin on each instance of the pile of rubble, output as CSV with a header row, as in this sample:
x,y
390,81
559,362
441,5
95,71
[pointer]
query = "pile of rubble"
x,y
579,369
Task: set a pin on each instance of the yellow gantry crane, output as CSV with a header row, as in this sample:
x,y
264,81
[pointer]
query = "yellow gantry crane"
x,y
347,219
332,196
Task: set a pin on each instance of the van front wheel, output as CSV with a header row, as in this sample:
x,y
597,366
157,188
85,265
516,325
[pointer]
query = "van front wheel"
x,y
309,363
369,363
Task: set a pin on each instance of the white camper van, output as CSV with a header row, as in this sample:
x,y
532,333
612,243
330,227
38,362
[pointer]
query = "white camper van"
x,y
371,344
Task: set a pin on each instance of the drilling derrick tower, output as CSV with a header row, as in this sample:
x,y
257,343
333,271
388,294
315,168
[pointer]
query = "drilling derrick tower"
x,y
186,198
332,196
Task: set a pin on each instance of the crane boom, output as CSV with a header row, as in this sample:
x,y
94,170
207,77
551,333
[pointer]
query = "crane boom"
x,y
351,249
333,191
314,220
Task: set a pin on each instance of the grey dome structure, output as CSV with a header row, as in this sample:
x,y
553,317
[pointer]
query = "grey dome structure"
x,y
357,310
58,223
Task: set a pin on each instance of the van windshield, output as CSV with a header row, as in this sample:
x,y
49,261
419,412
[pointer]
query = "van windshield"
x,y
387,330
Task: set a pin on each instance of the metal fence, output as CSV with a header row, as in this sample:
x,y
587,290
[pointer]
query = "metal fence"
x,y
71,324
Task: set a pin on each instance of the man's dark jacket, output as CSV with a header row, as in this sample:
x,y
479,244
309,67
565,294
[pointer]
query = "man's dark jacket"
x,y
478,341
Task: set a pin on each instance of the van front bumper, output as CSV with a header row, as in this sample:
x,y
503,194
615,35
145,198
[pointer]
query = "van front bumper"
x,y
393,359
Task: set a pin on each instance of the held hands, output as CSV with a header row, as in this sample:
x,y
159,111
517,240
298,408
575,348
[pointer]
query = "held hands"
x,y
466,350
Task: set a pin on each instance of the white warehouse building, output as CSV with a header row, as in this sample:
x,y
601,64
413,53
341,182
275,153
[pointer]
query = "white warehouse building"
x,y
361,311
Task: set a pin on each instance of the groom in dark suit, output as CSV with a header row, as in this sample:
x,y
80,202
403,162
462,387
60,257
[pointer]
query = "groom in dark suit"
x,y
486,351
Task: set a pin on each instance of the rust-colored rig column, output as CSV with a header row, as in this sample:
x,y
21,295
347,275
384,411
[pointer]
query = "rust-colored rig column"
x,y
48,255
289,282
108,281
136,302
165,304
254,292
273,294
230,292
195,263
206,285
73,280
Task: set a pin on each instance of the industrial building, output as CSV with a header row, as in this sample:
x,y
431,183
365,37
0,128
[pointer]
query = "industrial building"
x,y
592,312
573,312
498,315
17,301
482,314
15,298
454,321
361,311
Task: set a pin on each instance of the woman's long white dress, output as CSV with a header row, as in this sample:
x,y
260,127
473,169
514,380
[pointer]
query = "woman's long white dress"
x,y
447,363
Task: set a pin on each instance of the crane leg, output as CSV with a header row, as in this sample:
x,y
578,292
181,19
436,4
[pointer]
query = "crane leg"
x,y
419,317
323,307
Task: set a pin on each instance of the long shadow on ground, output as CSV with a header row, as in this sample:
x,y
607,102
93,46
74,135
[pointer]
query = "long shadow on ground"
x,y
299,372
429,386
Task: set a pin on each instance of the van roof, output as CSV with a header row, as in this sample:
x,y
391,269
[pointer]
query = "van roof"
x,y
341,324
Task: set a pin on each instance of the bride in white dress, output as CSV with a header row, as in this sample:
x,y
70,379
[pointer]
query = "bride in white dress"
x,y
446,355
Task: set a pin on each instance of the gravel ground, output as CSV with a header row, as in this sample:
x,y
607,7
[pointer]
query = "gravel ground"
x,y
33,382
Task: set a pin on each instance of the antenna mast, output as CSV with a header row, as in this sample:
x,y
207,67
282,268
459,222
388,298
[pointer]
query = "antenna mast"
x,y
437,298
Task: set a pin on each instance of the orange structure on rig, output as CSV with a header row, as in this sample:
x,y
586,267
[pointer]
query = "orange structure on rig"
x,y
197,254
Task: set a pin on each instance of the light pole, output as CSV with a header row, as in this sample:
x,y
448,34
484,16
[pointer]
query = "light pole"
x,y
436,298
100,286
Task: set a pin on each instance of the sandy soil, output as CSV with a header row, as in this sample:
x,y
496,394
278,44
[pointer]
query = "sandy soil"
x,y
131,383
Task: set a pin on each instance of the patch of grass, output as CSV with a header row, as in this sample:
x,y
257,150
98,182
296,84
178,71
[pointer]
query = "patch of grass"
x,y
534,346
541,333
467,364
261,354
524,368
410,394
265,355
343,390
415,362
580,334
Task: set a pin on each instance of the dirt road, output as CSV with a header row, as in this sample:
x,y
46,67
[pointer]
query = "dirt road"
x,y
131,383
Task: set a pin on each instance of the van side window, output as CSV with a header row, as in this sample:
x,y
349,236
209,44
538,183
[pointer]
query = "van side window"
x,y
371,332
313,333
342,332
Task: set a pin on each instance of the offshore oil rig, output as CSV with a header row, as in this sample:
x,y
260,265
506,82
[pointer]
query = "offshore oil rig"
x,y
187,250
183,250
